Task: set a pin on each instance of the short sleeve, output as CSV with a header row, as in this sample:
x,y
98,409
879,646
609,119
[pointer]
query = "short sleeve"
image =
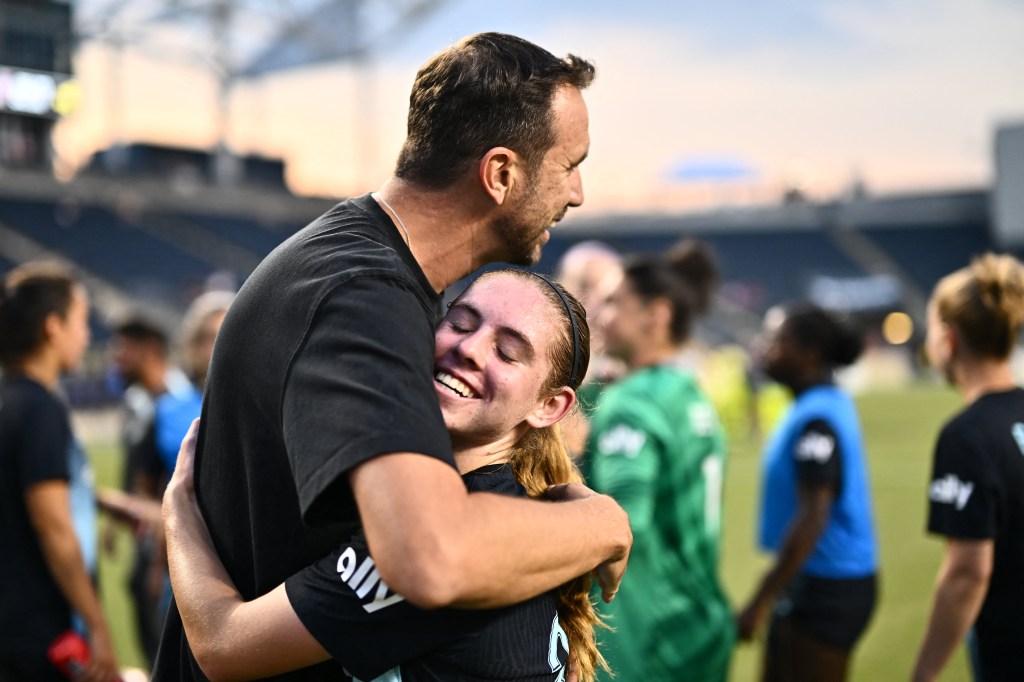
x,y
44,447
624,460
961,497
361,385
365,626
817,455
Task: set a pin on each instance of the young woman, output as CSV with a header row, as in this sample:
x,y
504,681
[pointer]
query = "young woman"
x,y
657,447
815,506
975,501
47,511
509,354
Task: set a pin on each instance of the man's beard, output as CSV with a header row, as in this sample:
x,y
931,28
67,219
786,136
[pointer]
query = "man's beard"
x,y
521,241
523,229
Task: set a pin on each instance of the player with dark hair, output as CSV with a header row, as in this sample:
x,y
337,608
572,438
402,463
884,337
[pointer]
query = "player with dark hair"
x,y
320,408
510,353
657,447
975,498
140,352
815,506
47,510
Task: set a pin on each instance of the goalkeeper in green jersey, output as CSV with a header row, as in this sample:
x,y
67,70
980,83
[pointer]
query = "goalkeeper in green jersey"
x,y
656,445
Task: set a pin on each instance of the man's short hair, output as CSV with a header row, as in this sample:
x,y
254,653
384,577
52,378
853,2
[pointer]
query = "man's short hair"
x,y
144,331
488,90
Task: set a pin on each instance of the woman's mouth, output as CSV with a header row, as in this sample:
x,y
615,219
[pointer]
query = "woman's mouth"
x,y
454,385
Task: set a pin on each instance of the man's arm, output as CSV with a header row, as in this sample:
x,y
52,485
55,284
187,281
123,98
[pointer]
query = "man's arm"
x,y
48,510
962,585
438,545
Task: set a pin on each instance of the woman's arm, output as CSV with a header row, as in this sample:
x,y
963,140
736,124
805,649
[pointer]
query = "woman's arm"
x,y
231,639
814,503
962,585
49,512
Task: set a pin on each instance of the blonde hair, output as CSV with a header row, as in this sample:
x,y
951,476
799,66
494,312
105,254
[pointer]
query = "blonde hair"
x,y
541,459
984,303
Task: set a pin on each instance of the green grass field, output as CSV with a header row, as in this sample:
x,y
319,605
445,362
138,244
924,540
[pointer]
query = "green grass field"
x,y
900,429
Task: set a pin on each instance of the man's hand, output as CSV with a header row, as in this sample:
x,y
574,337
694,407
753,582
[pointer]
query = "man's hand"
x,y
609,574
567,492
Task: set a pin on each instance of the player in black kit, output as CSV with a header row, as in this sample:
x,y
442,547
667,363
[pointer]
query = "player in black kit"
x,y
509,355
975,496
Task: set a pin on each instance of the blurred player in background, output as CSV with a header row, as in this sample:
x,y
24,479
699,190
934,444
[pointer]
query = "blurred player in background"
x,y
976,496
657,447
140,354
47,510
173,412
589,271
815,506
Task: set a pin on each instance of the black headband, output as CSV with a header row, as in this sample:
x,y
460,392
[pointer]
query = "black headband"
x,y
574,380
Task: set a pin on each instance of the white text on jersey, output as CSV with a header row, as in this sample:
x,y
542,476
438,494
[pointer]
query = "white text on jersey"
x,y
951,490
365,578
815,447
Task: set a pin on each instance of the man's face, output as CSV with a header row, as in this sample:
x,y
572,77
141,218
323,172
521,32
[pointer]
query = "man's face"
x,y
553,186
128,357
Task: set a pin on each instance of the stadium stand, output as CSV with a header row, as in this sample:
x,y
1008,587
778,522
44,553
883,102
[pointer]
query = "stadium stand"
x,y
140,241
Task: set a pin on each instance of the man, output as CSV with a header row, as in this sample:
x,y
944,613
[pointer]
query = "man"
x,y
140,354
321,411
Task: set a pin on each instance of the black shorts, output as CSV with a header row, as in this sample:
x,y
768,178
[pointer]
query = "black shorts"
x,y
835,611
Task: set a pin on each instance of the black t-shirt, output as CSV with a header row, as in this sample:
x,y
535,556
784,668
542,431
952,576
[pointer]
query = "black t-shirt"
x,y
35,437
977,493
323,361
370,630
818,457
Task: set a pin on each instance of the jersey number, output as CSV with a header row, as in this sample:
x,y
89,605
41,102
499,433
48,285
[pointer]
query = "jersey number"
x,y
712,470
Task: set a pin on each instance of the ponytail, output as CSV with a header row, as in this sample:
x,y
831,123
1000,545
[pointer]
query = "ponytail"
x,y
984,302
539,460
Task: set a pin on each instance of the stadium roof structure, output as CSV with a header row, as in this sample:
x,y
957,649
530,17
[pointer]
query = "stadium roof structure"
x,y
247,38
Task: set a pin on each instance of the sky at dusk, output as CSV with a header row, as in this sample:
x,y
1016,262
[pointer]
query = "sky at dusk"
x,y
695,104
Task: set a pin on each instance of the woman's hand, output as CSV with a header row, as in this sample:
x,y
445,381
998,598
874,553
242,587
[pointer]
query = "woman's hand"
x,y
183,479
180,496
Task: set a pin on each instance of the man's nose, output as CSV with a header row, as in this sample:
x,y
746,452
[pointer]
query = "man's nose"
x,y
576,188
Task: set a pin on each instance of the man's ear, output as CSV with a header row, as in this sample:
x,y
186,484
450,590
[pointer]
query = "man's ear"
x,y
501,169
550,410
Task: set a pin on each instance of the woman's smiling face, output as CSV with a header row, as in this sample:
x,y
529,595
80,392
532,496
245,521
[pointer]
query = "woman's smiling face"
x,y
492,357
